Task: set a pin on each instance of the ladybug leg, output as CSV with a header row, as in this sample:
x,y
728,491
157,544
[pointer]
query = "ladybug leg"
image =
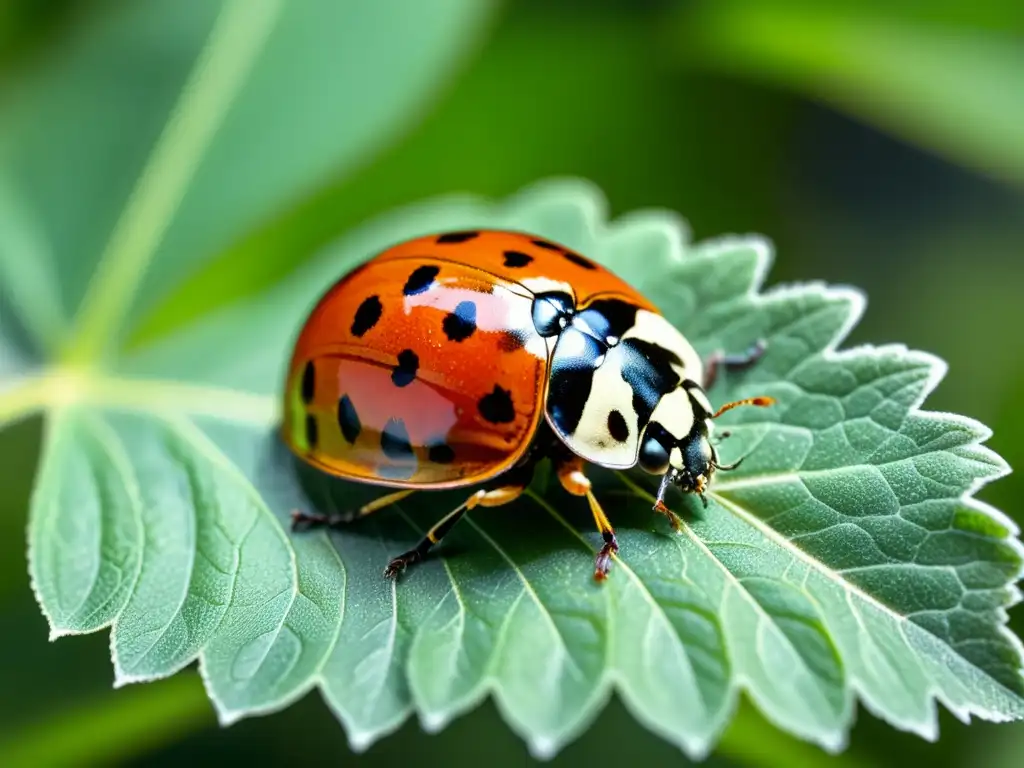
x,y
305,520
720,359
572,478
482,498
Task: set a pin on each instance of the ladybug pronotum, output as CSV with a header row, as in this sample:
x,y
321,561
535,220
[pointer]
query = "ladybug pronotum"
x,y
465,358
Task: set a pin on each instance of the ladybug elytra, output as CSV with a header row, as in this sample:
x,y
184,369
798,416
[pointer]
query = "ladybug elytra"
x,y
466,358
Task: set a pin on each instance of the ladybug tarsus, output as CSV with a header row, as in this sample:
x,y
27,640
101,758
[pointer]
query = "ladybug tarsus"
x,y
603,561
674,520
400,563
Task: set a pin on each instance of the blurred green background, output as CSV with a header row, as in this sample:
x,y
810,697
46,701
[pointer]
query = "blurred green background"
x,y
879,144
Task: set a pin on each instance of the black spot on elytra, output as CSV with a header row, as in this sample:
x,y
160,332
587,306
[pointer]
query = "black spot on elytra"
x,y
308,383
578,260
509,341
404,373
441,453
312,433
420,279
460,324
457,237
348,419
367,315
617,426
394,440
516,259
575,258
496,406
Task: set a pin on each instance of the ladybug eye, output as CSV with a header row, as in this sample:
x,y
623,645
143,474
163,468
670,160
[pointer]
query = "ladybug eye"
x,y
653,456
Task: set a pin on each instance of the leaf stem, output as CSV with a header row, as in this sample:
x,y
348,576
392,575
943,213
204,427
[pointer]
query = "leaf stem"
x,y
61,388
113,727
22,400
236,39
155,396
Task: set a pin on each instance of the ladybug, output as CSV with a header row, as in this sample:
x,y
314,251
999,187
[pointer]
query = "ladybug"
x,y
463,359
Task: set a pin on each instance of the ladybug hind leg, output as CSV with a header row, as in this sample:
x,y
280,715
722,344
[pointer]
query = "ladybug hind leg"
x,y
573,479
718,360
305,520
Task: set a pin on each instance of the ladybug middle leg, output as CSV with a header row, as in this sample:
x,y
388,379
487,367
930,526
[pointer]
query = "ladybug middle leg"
x,y
482,498
511,487
571,476
720,359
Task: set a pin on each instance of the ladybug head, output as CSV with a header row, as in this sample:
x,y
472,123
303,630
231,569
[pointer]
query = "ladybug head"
x,y
690,462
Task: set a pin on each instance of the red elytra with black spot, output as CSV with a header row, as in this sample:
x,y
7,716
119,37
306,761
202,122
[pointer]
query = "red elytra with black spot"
x,y
423,368
465,357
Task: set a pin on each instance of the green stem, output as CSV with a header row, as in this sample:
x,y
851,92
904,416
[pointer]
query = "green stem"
x,y
61,388
218,75
22,400
116,726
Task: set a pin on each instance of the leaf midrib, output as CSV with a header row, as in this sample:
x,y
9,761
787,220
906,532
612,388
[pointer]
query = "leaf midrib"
x,y
64,387
850,589
219,73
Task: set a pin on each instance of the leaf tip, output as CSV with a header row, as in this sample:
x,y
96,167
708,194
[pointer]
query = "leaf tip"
x,y
56,633
123,679
360,741
228,717
543,747
433,722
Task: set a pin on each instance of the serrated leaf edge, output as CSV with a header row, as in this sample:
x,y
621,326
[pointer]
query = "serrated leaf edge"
x,y
597,207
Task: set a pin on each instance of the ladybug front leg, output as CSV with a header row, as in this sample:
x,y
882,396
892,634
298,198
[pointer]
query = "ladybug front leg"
x,y
720,359
305,520
572,478
482,498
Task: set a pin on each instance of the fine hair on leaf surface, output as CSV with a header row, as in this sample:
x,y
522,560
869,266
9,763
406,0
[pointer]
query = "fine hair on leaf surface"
x,y
844,561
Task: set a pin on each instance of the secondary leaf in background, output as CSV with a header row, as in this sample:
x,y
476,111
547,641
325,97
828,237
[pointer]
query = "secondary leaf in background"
x,y
953,89
118,160
473,140
843,558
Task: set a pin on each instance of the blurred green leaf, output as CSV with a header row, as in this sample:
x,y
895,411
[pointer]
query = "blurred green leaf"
x,y
845,557
154,134
929,77
696,149
111,729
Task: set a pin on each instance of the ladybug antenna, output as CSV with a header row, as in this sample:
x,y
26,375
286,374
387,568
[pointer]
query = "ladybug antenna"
x,y
728,467
759,401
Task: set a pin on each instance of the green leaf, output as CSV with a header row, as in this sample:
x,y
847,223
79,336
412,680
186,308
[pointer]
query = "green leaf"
x,y
846,559
924,74
155,134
